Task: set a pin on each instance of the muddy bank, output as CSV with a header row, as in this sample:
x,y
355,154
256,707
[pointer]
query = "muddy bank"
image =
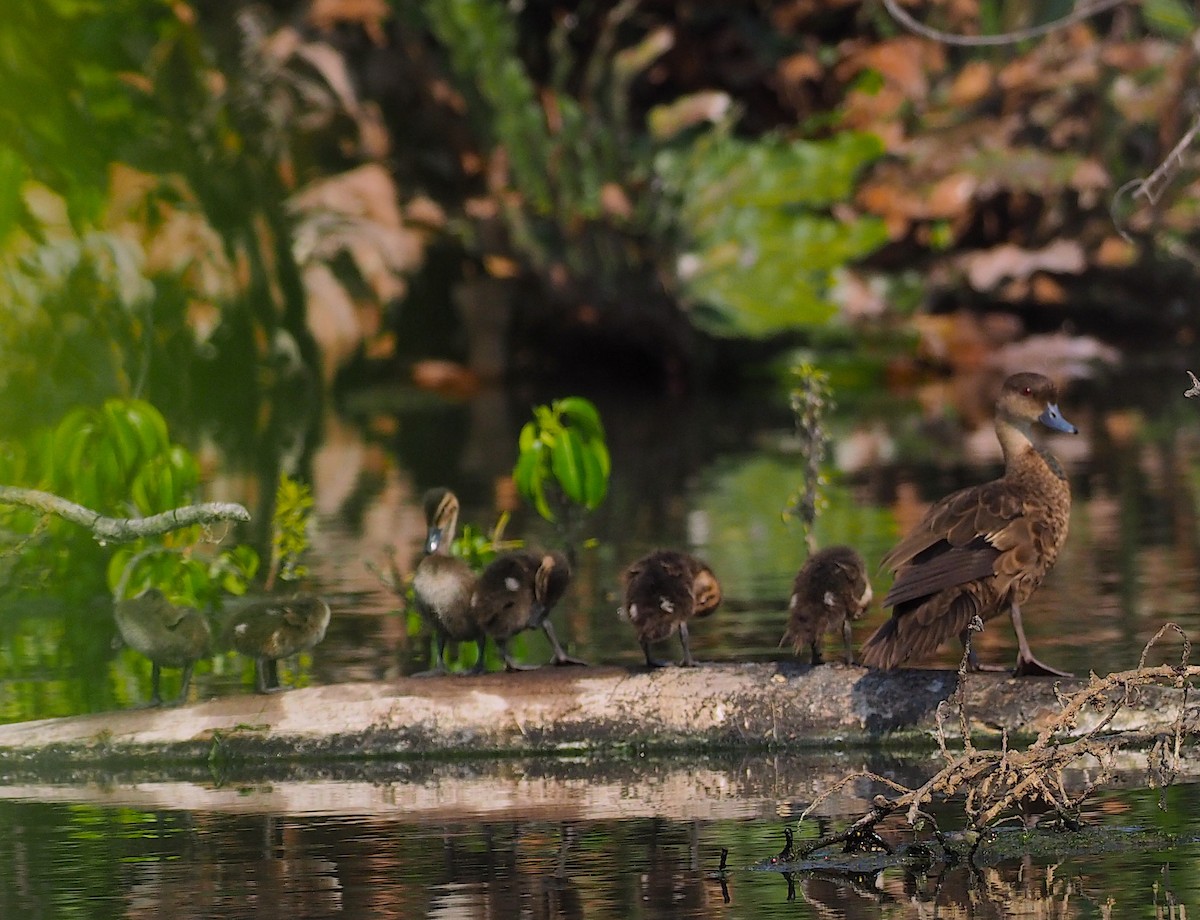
x,y
560,711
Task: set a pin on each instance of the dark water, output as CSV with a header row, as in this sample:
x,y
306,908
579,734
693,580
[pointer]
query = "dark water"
x,y
641,843
566,840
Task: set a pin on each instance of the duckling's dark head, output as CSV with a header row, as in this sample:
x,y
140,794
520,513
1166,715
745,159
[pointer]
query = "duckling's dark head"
x,y
1028,397
441,516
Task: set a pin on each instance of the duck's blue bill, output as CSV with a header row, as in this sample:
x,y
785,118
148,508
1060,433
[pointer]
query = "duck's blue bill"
x,y
1054,420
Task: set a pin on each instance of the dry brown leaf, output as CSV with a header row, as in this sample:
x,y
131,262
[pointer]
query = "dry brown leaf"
x,y
971,84
1047,290
950,196
986,269
370,14
1115,252
501,266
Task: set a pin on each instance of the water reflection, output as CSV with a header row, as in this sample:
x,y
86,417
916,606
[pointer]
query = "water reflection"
x,y
710,473
108,861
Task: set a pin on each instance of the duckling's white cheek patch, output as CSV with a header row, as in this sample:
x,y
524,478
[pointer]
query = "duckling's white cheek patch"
x,y
633,612
829,599
512,584
240,629
666,605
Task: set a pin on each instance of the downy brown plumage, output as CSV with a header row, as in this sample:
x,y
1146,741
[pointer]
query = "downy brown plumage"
x,y
985,549
443,584
830,591
273,628
663,591
516,592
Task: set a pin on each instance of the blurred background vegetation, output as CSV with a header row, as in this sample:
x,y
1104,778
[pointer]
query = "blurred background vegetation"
x,y
232,213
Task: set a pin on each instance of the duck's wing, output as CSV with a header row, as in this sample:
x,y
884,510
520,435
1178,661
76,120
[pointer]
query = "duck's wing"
x,y
974,533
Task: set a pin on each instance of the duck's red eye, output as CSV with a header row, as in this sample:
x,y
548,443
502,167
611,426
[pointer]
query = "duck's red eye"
x,y
1027,391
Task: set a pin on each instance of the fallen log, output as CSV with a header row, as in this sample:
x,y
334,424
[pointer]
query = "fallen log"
x,y
779,705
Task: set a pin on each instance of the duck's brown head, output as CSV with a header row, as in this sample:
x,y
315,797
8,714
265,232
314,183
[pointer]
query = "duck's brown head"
x,y
441,516
1027,398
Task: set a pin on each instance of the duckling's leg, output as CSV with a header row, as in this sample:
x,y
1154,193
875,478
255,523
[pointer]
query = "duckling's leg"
x,y
509,663
186,681
439,659
1027,665
266,676
155,681
688,660
480,664
560,657
815,645
847,640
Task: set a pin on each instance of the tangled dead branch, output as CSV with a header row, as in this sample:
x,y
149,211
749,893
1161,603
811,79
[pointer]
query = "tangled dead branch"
x,y
998,785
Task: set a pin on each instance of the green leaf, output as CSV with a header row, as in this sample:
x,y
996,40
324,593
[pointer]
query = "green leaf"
x,y
566,461
1170,18
582,415
595,479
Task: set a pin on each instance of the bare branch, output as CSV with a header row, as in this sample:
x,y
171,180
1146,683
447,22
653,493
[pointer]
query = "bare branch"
x,y
1007,38
123,530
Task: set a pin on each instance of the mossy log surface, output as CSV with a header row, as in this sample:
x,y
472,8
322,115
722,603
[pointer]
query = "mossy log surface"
x,y
563,710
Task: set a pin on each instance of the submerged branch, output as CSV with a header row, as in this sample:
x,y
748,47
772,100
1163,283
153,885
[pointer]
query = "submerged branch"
x,y
996,784
123,530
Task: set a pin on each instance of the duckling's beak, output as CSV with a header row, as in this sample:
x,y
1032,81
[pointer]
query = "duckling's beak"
x,y
1053,420
433,540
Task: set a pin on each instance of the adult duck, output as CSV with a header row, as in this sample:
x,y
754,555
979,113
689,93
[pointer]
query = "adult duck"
x,y
830,592
169,635
443,584
516,592
663,592
984,549
274,628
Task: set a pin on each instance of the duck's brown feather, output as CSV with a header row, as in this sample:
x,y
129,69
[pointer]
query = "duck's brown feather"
x,y
975,552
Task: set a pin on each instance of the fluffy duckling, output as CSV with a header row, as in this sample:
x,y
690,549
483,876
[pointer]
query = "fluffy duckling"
x,y
170,636
275,628
830,592
516,592
443,584
984,549
663,591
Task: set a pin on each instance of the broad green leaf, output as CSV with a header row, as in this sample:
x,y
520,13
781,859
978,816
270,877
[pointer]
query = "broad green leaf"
x,y
566,460
581,415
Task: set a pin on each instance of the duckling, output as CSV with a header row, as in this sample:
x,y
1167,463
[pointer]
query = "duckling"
x,y
517,591
443,584
663,591
831,590
984,549
170,636
275,628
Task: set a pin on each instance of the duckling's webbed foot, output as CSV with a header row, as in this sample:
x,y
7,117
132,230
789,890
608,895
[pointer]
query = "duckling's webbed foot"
x,y
651,661
480,666
510,663
560,657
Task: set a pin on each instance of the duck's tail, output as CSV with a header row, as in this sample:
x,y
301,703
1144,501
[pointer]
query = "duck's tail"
x,y
885,649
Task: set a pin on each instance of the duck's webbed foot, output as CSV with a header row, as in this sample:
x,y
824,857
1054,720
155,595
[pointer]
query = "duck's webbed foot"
x,y
564,660
1029,666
